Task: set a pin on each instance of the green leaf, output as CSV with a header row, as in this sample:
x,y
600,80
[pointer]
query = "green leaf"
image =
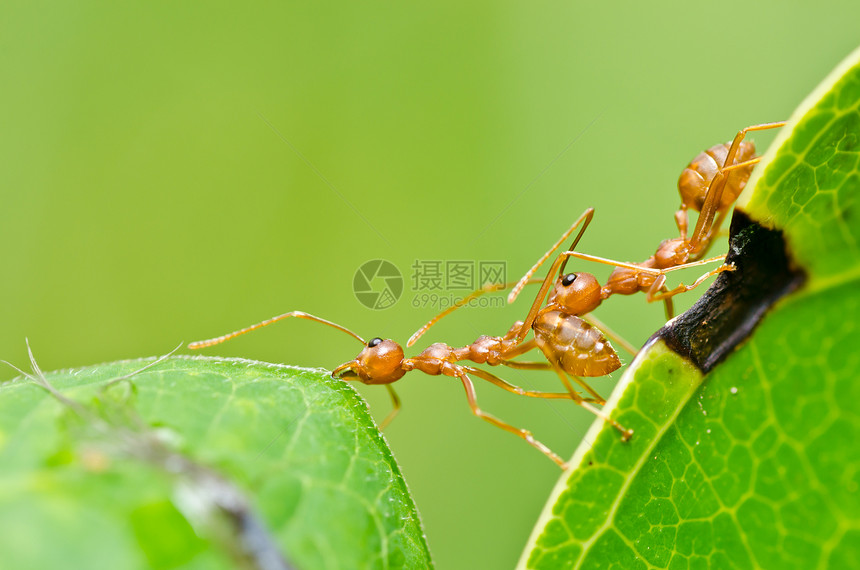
x,y
198,463
754,463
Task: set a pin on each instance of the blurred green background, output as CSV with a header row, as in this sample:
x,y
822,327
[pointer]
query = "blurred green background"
x,y
172,171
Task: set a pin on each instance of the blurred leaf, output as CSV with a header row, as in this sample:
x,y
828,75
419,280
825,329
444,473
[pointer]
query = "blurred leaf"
x,y
755,463
198,463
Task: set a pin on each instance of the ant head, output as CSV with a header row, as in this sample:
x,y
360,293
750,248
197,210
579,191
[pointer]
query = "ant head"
x,y
576,293
379,362
672,252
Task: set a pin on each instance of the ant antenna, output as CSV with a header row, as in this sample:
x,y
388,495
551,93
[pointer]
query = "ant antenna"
x,y
584,219
488,288
297,314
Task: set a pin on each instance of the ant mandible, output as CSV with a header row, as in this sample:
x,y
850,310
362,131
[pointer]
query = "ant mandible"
x,y
382,361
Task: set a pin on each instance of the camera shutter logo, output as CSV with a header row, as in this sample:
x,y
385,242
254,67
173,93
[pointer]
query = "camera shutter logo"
x,y
377,284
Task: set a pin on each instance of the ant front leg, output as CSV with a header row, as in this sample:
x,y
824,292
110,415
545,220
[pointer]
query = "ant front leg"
x,y
656,294
659,286
606,261
525,434
395,403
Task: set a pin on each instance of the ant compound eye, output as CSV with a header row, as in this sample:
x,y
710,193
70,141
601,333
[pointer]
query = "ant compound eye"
x,y
568,279
373,342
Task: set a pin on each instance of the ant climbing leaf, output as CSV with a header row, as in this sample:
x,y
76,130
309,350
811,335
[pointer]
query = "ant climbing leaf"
x,y
746,410
198,462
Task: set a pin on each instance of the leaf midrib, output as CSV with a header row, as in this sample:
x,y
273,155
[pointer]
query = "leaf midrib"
x,y
632,473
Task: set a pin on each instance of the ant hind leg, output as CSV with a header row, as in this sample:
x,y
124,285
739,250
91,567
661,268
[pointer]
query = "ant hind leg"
x,y
625,432
514,389
524,434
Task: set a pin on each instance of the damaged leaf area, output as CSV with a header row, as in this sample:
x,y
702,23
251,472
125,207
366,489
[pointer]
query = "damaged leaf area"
x,y
198,463
746,419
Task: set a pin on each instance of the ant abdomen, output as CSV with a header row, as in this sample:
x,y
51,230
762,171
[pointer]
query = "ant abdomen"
x,y
576,346
697,177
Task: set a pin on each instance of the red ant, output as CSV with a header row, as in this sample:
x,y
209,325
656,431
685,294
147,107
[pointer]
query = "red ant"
x,y
572,346
383,362
710,184
696,185
704,186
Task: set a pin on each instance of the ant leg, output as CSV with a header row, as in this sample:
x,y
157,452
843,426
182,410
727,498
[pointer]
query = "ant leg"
x,y
595,397
591,319
521,348
682,221
656,295
523,365
704,244
561,260
489,288
682,215
606,261
639,268
584,219
525,434
514,389
395,402
532,344
696,263
744,164
563,376
625,433
544,289
669,305
743,133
